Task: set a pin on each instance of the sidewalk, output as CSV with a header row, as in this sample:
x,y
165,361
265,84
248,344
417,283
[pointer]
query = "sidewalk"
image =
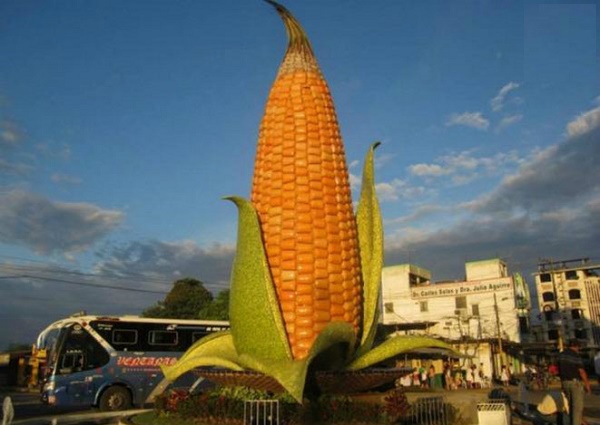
x,y
466,400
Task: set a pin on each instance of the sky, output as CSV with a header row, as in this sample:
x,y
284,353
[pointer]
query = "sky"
x,y
124,124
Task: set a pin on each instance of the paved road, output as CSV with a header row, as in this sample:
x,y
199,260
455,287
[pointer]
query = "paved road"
x,y
591,408
29,410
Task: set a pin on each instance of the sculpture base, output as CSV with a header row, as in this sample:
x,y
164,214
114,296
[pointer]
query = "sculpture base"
x,y
335,382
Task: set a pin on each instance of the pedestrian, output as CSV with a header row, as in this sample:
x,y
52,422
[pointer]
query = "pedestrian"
x,y
416,377
423,375
448,381
469,377
574,380
431,376
504,376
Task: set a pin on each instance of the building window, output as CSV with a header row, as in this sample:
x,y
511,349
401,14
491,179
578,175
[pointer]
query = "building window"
x,y
553,334
576,313
574,294
424,307
548,296
389,307
571,275
461,302
580,334
475,310
415,280
545,277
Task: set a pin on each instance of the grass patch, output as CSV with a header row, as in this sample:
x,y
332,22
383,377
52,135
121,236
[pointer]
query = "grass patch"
x,y
151,418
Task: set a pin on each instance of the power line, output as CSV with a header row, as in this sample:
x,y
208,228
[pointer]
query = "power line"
x,y
79,283
51,268
34,272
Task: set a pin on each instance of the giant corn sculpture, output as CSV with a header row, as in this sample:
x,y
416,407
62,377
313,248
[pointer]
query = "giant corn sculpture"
x,y
305,281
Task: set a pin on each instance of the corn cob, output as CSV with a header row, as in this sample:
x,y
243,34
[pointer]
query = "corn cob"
x,y
301,192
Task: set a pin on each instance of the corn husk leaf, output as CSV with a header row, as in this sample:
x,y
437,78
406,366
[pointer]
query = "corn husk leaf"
x,y
394,346
330,350
370,236
256,323
213,350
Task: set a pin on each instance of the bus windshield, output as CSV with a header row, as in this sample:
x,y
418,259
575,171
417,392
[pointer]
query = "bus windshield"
x,y
77,351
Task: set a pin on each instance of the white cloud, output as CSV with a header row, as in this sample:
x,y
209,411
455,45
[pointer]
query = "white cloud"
x,y
54,150
469,119
48,227
355,181
14,168
396,189
508,121
497,102
584,123
65,179
10,133
154,259
464,166
434,170
562,174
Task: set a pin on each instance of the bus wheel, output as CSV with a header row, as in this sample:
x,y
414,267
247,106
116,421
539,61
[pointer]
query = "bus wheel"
x,y
115,398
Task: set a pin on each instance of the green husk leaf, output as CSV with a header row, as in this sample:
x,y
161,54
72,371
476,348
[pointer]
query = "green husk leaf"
x,y
213,350
394,346
370,237
256,323
330,350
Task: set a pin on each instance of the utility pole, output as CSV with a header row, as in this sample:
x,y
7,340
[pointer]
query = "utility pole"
x,y
498,331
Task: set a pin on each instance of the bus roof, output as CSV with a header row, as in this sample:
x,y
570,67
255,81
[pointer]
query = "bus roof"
x,y
79,318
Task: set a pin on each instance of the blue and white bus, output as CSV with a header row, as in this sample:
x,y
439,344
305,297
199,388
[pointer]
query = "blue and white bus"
x,y
114,362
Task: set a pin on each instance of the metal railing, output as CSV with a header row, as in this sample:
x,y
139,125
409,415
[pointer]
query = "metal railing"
x,y
428,411
261,412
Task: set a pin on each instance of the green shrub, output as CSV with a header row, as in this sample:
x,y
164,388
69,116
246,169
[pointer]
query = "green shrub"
x,y
226,405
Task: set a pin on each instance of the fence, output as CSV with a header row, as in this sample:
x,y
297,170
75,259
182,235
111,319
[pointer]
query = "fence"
x,y
261,412
428,411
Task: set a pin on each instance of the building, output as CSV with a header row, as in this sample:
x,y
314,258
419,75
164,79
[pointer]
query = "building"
x,y
569,302
482,316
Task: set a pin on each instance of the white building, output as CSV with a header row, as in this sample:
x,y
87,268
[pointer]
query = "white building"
x,y
569,302
481,316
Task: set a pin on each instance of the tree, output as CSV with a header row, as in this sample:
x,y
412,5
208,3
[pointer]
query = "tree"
x,y
218,309
185,300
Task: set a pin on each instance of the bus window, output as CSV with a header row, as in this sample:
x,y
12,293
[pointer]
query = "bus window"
x,y
198,335
72,361
124,336
168,338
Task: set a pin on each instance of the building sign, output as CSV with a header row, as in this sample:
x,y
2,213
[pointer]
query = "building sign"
x,y
457,289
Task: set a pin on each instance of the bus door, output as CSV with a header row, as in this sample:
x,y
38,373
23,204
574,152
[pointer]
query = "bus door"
x,y
79,389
